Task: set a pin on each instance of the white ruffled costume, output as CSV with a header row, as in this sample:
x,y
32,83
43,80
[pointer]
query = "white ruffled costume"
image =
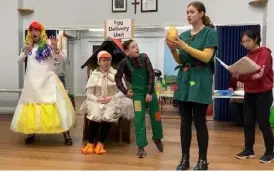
x,y
103,85
44,106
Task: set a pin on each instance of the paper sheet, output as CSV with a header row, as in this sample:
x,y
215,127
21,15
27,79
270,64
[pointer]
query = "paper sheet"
x,y
243,66
239,93
222,63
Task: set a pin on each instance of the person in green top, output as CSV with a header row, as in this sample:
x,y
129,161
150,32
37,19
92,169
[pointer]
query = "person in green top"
x,y
137,70
194,51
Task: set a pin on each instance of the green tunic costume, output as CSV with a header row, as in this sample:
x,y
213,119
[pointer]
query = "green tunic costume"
x,y
195,78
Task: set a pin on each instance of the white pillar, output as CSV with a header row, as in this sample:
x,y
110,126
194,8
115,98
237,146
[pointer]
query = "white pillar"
x,y
270,27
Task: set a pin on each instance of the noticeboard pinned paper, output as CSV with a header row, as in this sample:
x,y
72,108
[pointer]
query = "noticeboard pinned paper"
x,y
243,66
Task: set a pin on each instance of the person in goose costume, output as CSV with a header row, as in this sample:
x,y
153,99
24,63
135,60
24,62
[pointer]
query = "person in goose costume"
x,y
44,106
104,104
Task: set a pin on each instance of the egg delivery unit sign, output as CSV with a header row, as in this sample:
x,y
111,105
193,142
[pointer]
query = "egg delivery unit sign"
x,y
120,28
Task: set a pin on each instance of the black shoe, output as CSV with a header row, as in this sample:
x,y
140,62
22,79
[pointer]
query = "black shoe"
x,y
68,140
184,164
30,139
201,165
159,145
245,154
141,153
266,158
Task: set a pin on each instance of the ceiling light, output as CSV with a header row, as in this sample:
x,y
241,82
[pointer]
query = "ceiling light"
x,y
96,30
180,27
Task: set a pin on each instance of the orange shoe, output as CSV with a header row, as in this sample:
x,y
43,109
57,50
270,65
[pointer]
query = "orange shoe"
x,y
99,149
88,149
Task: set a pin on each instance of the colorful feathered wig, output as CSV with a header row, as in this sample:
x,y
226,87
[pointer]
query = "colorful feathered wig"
x,y
44,50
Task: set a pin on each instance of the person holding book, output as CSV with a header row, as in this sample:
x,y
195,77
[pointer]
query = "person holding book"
x,y
258,97
194,50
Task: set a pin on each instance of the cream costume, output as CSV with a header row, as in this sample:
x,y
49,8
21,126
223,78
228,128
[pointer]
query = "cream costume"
x,y
44,106
103,85
100,114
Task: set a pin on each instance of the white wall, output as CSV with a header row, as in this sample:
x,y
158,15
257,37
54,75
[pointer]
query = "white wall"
x,y
81,54
82,50
270,28
270,25
87,13
9,44
92,13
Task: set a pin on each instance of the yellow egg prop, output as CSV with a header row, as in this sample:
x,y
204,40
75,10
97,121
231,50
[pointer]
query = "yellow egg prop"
x,y
172,33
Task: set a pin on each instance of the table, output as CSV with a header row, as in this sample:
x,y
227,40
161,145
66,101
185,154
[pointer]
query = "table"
x,y
224,97
164,95
170,95
228,97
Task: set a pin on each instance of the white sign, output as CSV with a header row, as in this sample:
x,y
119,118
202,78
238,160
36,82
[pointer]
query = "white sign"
x,y
119,28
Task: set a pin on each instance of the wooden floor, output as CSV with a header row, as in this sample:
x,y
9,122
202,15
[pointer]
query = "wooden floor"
x,y
49,153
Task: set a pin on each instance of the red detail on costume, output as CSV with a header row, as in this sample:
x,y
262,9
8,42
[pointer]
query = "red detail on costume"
x,y
174,87
118,42
209,111
158,116
104,54
185,69
35,25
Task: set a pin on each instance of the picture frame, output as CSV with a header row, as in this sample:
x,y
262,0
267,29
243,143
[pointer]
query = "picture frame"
x,y
119,6
149,6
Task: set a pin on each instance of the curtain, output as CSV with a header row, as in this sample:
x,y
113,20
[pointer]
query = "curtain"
x,y
49,33
230,50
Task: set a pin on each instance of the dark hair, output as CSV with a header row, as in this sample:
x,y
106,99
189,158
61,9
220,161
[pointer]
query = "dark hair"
x,y
254,35
127,43
201,8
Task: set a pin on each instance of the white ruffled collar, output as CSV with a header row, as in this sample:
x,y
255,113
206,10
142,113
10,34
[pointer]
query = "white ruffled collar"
x,y
97,74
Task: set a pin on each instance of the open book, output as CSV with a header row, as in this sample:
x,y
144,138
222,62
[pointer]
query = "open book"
x,y
243,66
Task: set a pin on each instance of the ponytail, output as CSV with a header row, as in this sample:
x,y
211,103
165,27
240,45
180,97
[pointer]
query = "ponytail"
x,y
207,22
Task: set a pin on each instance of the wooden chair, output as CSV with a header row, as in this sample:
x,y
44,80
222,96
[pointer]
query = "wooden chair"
x,y
121,132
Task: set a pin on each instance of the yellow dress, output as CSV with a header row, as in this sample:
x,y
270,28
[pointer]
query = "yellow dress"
x,y
44,106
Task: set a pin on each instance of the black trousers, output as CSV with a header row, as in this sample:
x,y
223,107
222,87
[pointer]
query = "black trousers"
x,y
191,111
257,109
98,131
237,115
